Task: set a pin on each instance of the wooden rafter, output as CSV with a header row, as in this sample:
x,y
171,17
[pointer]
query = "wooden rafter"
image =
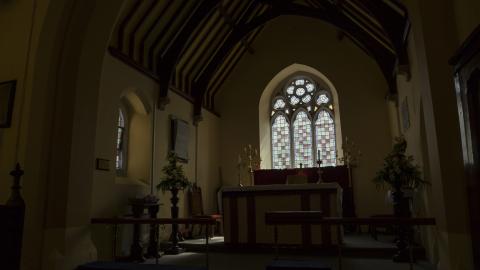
x,y
231,23
123,25
167,63
234,38
160,36
148,33
196,45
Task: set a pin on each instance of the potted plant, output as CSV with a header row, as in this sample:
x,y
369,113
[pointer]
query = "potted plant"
x,y
174,180
401,174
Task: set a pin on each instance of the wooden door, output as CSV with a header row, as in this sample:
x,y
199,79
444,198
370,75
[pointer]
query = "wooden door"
x,y
467,82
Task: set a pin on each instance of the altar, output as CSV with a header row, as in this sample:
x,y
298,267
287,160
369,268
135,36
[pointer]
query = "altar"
x,y
244,211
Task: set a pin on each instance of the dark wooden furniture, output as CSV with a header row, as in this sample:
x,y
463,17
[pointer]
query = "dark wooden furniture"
x,y
244,210
156,221
195,209
11,225
385,229
134,266
467,75
291,218
276,218
338,174
136,250
296,265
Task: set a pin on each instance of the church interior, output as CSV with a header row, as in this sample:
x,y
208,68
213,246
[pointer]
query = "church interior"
x,y
233,134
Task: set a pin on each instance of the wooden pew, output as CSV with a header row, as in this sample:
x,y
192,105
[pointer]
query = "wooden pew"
x,y
11,225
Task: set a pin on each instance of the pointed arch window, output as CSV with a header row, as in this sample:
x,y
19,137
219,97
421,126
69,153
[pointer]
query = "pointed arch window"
x,y
121,144
280,142
302,139
303,125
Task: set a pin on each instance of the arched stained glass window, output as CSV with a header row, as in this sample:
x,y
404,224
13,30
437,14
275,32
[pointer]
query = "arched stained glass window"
x,y
325,138
281,142
302,139
121,149
311,135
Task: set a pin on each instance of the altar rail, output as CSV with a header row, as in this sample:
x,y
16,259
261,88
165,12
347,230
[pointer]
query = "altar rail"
x,y
11,225
276,218
208,221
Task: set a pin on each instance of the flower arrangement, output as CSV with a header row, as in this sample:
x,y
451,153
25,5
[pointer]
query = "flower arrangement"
x,y
174,175
399,171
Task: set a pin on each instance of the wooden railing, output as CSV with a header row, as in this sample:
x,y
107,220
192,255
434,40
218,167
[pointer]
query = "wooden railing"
x,y
207,221
11,225
276,218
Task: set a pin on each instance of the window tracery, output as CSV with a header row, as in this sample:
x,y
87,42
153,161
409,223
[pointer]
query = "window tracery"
x,y
303,125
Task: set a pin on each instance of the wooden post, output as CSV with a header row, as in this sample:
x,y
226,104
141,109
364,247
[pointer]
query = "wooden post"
x,y
15,197
207,235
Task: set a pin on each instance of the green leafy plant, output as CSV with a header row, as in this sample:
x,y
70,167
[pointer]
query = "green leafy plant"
x,y
174,177
399,171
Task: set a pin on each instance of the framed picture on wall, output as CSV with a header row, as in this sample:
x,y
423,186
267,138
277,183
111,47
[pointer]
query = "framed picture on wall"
x,y
405,115
7,96
179,138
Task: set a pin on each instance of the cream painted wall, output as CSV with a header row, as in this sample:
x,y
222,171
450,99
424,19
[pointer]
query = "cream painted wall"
x,y
433,137
358,80
15,25
110,193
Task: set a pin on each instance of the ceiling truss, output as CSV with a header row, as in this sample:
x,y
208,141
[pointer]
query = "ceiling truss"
x,y
191,47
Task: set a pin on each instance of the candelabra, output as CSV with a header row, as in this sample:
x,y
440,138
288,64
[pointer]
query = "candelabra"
x,y
248,159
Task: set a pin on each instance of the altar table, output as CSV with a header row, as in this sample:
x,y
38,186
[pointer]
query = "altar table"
x,y
244,211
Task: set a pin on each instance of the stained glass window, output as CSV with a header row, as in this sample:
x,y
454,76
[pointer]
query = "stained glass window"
x,y
325,138
322,99
279,104
294,100
281,142
297,143
302,139
120,164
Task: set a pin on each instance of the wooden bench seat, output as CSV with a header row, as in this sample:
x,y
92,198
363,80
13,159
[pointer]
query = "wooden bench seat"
x,y
297,265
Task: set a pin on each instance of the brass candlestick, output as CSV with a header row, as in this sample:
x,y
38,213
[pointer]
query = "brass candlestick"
x,y
240,166
319,171
249,159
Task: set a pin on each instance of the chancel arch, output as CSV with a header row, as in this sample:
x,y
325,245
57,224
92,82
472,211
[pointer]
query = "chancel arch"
x,y
299,101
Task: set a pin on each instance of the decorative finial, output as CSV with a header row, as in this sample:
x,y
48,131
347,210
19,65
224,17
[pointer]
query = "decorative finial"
x,y
16,198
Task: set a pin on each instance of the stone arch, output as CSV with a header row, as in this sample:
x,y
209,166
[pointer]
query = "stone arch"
x,y
59,151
